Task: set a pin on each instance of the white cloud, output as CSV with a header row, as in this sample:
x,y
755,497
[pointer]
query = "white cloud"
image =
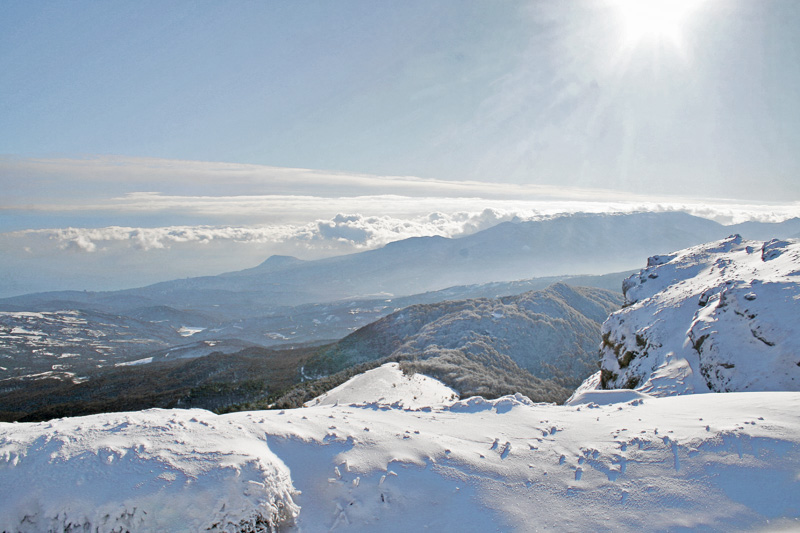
x,y
129,176
187,218
142,182
353,231
346,232
148,190
78,241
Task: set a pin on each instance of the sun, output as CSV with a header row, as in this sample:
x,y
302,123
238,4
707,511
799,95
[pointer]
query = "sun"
x,y
655,20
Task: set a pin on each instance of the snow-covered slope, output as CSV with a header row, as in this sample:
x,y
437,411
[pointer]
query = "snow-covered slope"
x,y
182,470
723,316
541,343
388,384
712,462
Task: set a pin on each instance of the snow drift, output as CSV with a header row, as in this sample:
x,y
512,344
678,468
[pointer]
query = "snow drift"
x,y
155,470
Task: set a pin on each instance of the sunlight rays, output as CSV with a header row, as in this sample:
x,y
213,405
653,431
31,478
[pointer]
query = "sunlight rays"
x,y
655,20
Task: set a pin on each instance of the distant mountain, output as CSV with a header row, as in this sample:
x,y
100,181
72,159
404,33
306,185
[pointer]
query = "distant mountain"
x,y
764,231
541,343
288,301
720,317
570,244
575,244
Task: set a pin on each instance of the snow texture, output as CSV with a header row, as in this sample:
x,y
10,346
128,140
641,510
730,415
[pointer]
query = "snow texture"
x,y
720,317
713,462
387,384
155,470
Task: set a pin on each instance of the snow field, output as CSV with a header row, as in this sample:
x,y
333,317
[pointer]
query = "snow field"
x,y
716,461
712,461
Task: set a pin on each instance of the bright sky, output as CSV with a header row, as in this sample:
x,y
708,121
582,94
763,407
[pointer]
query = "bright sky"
x,y
587,93
113,114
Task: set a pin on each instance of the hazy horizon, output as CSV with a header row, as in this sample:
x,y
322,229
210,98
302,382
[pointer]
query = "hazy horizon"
x,y
145,141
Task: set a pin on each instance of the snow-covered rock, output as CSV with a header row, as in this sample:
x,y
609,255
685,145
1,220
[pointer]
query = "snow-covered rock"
x,y
721,317
155,470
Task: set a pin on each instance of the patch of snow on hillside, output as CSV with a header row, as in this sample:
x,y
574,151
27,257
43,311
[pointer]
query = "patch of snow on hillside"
x,y
188,331
722,317
143,361
388,385
606,397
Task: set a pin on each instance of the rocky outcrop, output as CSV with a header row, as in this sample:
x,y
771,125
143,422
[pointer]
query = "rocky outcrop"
x,y
719,317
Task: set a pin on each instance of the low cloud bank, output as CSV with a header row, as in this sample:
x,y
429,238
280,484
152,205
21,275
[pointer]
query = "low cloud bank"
x,y
114,257
354,231
344,232
112,222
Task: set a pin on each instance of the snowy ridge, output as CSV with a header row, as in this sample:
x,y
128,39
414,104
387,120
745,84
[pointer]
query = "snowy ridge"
x,y
387,384
713,461
723,316
717,317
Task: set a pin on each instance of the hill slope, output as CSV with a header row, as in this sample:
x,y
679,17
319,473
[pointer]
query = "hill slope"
x,y
216,381
73,345
541,343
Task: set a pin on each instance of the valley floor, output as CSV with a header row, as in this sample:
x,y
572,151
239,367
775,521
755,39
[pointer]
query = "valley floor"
x,y
618,461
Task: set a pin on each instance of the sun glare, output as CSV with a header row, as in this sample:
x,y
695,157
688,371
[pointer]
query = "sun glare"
x,y
655,20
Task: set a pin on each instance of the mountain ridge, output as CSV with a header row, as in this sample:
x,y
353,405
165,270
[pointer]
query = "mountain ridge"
x,y
540,343
563,245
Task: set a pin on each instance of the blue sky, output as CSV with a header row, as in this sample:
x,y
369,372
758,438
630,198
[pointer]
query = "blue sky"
x,y
157,115
524,92
334,85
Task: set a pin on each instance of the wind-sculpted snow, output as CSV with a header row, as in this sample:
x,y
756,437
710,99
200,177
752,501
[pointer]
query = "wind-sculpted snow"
x,y
182,470
541,343
724,316
715,462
